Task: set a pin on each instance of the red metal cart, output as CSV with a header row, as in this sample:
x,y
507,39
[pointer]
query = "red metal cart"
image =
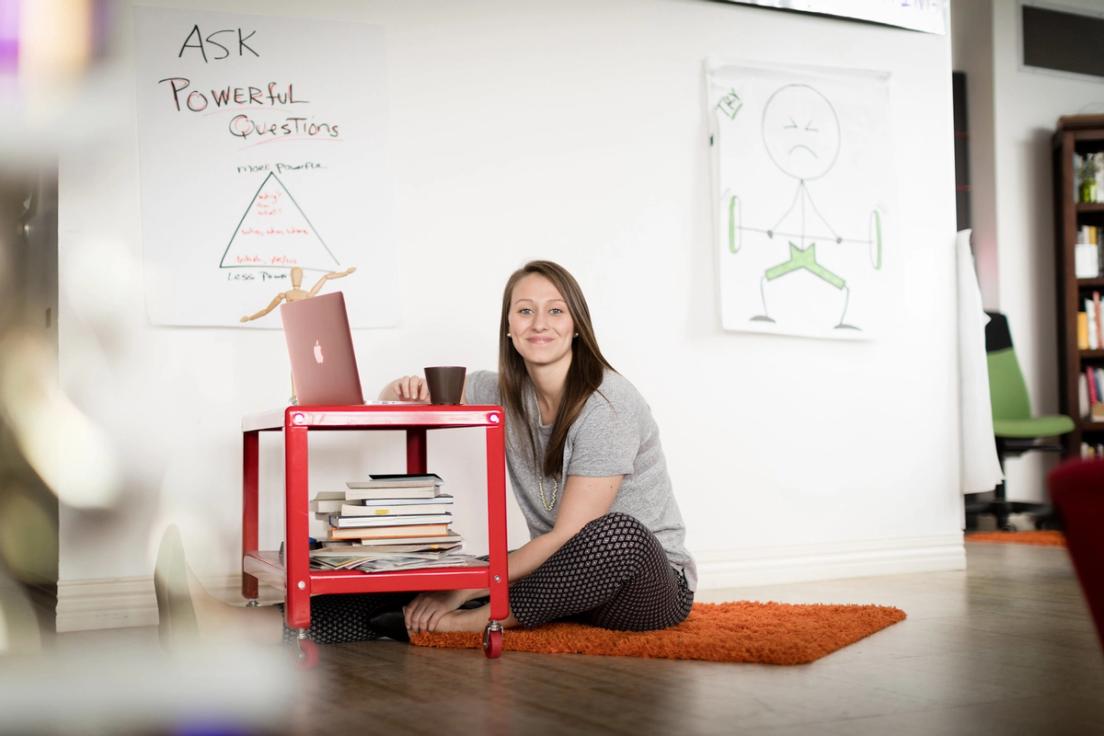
x,y
299,581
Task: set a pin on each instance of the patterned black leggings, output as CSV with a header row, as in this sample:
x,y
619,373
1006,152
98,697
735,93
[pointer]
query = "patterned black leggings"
x,y
613,574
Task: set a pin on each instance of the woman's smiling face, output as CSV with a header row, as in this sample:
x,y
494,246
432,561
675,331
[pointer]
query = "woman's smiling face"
x,y
540,324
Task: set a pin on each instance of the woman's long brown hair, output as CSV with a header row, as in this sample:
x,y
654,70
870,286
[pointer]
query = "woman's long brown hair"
x,y
584,376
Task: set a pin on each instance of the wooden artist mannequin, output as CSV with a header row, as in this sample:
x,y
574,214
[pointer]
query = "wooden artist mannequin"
x,y
297,292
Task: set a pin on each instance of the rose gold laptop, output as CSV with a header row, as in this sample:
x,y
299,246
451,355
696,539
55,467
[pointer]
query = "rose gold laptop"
x,y
320,345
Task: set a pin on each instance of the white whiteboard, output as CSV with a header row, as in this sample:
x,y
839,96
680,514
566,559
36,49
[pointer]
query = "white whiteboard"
x,y
261,148
804,193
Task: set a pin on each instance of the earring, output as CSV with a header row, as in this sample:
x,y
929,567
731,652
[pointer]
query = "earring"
x,y
576,334
508,335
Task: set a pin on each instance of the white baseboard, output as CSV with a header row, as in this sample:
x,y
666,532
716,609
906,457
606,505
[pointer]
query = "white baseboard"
x,y
112,603
106,603
793,564
117,603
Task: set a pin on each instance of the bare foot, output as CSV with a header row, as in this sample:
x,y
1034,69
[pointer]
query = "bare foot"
x,y
472,619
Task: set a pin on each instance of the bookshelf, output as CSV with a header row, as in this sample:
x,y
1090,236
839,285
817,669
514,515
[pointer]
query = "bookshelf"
x,y
1078,135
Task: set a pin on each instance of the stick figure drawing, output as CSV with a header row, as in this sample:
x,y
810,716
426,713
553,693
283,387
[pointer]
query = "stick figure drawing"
x,y
816,231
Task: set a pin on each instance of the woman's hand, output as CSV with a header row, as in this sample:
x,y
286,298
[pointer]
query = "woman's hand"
x,y
427,609
407,388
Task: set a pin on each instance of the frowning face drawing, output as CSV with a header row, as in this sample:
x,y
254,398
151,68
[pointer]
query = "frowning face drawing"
x,y
801,131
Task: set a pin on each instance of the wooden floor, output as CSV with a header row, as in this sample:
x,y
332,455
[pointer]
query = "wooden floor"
x,y
1005,648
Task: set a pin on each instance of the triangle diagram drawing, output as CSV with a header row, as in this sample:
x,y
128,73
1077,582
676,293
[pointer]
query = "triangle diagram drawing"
x,y
275,233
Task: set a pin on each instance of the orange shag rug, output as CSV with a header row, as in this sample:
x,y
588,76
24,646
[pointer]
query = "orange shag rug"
x,y
1039,538
765,633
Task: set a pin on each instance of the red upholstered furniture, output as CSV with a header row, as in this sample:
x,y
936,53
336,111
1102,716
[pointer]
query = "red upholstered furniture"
x,y
1077,489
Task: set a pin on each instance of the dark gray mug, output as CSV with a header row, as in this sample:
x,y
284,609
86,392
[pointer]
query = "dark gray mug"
x,y
446,383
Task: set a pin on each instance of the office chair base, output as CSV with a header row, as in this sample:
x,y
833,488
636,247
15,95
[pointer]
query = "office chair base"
x,y
1042,514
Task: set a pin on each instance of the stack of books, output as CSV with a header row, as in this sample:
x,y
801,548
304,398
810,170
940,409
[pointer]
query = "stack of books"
x,y
387,522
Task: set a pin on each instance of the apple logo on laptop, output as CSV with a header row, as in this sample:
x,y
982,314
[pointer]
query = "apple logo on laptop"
x,y
318,353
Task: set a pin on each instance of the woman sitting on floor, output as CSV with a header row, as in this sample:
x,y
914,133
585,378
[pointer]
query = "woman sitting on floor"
x,y
587,470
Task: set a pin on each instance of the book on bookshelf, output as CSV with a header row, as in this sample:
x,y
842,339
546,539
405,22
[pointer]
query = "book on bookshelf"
x,y
1096,385
1082,331
1086,260
391,532
373,521
1090,316
1099,319
396,480
398,507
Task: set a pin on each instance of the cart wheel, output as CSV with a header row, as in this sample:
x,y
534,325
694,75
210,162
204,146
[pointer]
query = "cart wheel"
x,y
492,640
308,654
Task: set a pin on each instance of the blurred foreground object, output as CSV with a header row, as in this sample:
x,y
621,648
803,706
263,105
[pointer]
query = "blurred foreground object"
x,y
52,62
28,377
118,689
1077,489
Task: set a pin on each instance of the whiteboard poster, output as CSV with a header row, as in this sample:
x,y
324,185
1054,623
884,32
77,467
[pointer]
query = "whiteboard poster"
x,y
261,150
929,16
803,199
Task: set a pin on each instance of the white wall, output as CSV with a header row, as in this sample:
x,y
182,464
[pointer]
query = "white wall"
x,y
1027,104
572,131
972,53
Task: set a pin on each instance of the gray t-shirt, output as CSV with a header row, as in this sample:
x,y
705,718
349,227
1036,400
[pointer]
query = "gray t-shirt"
x,y
615,434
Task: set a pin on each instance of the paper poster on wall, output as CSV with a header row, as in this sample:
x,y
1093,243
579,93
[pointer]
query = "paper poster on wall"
x,y
262,157
929,16
804,198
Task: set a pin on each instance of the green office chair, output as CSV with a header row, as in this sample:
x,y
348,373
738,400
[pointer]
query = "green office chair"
x,y
1015,429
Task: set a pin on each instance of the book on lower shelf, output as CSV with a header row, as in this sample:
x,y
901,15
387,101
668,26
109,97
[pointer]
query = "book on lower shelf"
x,y
397,480
362,522
390,532
397,507
327,502
392,494
437,541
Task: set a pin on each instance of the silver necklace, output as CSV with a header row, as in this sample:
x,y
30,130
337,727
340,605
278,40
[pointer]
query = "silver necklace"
x,y
539,467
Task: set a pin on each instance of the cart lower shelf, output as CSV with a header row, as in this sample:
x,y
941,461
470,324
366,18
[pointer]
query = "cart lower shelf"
x,y
266,565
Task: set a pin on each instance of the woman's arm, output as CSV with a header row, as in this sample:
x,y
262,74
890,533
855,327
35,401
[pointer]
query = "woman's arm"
x,y
584,499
